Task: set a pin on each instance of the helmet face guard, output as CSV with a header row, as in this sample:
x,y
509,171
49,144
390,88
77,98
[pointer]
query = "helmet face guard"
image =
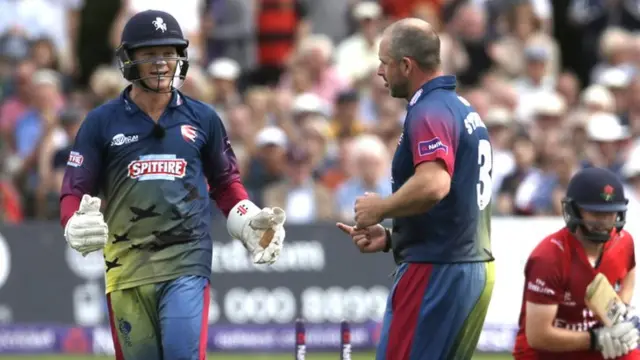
x,y
131,71
574,220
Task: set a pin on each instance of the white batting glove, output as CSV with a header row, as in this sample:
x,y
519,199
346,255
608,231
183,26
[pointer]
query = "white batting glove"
x,y
86,230
261,231
617,340
631,314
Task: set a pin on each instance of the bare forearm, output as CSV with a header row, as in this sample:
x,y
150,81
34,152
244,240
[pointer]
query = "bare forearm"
x,y
414,197
562,340
627,288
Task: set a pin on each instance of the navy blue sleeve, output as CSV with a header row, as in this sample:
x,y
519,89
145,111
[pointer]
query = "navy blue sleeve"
x,y
85,162
219,161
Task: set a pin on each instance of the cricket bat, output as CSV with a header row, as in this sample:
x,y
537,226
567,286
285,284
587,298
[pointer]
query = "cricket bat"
x,y
603,301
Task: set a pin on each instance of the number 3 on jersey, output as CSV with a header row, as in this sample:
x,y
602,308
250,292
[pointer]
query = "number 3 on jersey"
x,y
485,182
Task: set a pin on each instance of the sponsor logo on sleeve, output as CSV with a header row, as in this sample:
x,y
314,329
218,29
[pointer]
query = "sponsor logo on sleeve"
x,y
431,147
540,287
75,159
158,167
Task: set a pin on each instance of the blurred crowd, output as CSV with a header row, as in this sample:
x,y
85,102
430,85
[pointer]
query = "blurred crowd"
x,y
313,127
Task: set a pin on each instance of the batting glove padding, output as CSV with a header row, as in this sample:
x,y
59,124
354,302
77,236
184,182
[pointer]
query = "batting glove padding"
x,y
261,231
86,231
617,340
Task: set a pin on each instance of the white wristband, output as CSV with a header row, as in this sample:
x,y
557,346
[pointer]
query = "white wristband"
x,y
238,216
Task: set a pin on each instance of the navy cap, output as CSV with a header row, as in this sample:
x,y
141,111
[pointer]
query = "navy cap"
x,y
152,28
598,190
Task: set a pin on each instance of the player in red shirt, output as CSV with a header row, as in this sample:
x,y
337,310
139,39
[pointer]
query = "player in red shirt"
x,y
554,321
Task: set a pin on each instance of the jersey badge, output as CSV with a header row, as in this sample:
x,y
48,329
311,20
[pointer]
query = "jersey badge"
x,y
189,133
159,24
568,300
157,167
431,147
608,193
75,159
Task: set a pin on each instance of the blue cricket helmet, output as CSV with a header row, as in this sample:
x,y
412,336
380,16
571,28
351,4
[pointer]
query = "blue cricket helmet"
x,y
594,189
148,29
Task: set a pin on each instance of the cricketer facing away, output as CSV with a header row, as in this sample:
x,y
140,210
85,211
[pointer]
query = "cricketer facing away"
x,y
440,206
555,323
157,156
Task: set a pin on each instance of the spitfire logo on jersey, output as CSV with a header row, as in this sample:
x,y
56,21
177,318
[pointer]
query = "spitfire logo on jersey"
x,y
157,167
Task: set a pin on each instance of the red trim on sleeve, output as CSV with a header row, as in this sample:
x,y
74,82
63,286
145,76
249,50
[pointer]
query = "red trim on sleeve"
x,y
434,138
229,195
68,206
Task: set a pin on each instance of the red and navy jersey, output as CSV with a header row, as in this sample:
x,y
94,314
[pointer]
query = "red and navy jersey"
x,y
442,126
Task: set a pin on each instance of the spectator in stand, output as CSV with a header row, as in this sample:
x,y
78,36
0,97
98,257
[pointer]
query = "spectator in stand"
x,y
315,135
342,168
224,73
524,29
371,161
268,164
499,122
241,132
517,189
281,26
617,81
40,119
609,139
358,53
345,120
18,103
568,86
304,199
314,56
615,52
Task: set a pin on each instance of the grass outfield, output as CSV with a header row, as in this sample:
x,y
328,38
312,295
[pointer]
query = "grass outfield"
x,y
311,356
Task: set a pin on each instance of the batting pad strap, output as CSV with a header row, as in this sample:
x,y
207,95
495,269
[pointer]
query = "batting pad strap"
x,y
239,215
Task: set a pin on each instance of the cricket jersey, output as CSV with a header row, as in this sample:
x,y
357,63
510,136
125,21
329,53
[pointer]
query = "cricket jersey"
x,y
442,126
557,273
155,186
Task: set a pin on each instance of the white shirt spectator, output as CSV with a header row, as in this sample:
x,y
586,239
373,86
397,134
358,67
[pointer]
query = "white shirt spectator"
x,y
355,57
26,16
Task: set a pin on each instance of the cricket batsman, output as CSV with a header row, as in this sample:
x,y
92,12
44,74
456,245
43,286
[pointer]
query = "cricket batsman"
x,y
555,323
440,206
157,157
